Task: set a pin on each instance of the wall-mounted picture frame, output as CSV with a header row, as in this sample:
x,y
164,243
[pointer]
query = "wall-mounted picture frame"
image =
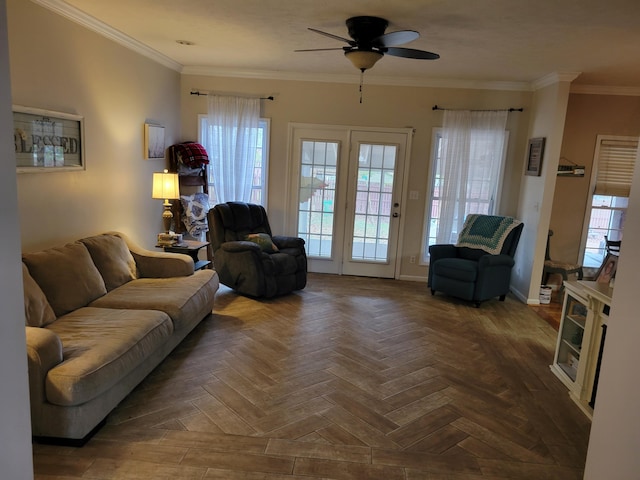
x,y
534,156
153,141
47,141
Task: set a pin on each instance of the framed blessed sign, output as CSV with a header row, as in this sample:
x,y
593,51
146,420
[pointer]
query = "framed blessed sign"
x,y
46,141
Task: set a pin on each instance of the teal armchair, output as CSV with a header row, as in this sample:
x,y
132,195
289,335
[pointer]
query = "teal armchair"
x,y
471,273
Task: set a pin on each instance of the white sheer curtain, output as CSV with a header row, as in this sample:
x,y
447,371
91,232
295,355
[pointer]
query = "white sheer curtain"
x,y
470,166
231,142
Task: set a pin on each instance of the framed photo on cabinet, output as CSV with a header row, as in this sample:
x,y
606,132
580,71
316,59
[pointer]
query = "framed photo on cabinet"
x,y
607,270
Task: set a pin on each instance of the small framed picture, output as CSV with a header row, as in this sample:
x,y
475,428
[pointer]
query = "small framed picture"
x,y
607,270
534,156
153,141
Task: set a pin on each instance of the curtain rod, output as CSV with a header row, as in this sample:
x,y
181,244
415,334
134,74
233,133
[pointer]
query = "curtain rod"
x,y
205,93
436,107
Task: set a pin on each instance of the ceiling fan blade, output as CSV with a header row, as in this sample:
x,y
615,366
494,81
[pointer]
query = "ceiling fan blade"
x,y
395,38
319,49
411,53
335,37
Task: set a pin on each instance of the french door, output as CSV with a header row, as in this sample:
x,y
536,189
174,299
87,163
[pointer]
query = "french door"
x,y
347,189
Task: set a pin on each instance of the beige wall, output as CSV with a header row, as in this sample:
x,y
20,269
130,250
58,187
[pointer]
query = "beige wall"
x,y
383,106
587,117
536,199
61,66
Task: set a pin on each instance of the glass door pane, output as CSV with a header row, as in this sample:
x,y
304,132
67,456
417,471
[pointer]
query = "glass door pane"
x,y
374,190
317,194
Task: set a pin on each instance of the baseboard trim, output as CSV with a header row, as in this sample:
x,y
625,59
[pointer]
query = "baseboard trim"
x,y
413,278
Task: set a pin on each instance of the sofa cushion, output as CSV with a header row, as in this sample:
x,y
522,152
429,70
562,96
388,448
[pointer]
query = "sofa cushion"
x,y
182,298
456,269
37,311
283,264
101,347
113,259
470,253
67,276
263,240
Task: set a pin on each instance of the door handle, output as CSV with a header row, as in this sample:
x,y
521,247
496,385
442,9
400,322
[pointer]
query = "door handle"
x,y
395,214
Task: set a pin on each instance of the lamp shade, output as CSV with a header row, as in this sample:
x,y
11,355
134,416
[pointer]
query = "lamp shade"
x,y
363,59
165,185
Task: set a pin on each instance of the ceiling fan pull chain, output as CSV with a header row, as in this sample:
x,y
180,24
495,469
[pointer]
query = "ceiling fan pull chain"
x,y
361,80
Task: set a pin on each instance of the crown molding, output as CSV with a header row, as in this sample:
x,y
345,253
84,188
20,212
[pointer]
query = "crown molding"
x,y
605,90
369,79
71,13
553,78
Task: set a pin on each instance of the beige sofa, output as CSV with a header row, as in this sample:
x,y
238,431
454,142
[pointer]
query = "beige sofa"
x,y
101,314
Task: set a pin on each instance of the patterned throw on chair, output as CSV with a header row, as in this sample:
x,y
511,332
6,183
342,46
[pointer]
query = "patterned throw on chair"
x,y
487,232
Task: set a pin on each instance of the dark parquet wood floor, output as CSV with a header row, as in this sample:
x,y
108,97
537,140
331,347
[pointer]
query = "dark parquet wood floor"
x,y
351,378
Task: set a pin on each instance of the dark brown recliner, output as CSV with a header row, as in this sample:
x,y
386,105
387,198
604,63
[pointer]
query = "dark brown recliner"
x,y
254,267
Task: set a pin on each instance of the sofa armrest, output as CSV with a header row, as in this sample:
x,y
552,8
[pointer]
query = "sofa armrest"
x,y
44,351
282,241
436,252
152,264
162,265
241,246
500,260
442,250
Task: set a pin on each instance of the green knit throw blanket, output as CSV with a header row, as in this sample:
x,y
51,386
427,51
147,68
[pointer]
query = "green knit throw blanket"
x,y
487,232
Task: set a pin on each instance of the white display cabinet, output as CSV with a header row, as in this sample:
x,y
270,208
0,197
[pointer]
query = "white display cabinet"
x,y
585,314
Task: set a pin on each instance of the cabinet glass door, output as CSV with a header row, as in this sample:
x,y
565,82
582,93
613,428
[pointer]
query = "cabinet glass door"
x,y
573,323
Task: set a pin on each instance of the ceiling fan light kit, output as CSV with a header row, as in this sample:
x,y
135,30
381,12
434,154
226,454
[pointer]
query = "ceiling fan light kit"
x,y
363,59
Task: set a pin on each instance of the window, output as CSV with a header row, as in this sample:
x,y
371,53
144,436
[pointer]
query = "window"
x,y
614,161
260,165
480,193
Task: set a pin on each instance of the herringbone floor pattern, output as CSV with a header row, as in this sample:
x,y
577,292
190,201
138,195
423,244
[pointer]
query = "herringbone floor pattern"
x,y
351,378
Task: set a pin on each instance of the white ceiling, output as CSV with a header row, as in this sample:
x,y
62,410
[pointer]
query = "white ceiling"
x,y
481,42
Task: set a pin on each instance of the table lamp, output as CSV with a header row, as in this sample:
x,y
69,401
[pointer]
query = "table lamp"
x,y
165,186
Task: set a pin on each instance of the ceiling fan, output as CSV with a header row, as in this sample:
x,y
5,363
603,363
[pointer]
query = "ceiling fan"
x,y
369,43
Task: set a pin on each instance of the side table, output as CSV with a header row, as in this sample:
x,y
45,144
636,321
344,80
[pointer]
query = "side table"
x,y
191,248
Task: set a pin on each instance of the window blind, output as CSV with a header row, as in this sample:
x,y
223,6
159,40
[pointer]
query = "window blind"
x,y
615,161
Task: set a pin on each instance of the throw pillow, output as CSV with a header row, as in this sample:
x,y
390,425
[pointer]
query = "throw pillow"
x,y
263,240
67,276
37,311
194,216
113,259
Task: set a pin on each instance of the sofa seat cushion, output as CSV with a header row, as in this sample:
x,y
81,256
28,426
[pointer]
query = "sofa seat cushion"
x,y
456,269
179,297
100,348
